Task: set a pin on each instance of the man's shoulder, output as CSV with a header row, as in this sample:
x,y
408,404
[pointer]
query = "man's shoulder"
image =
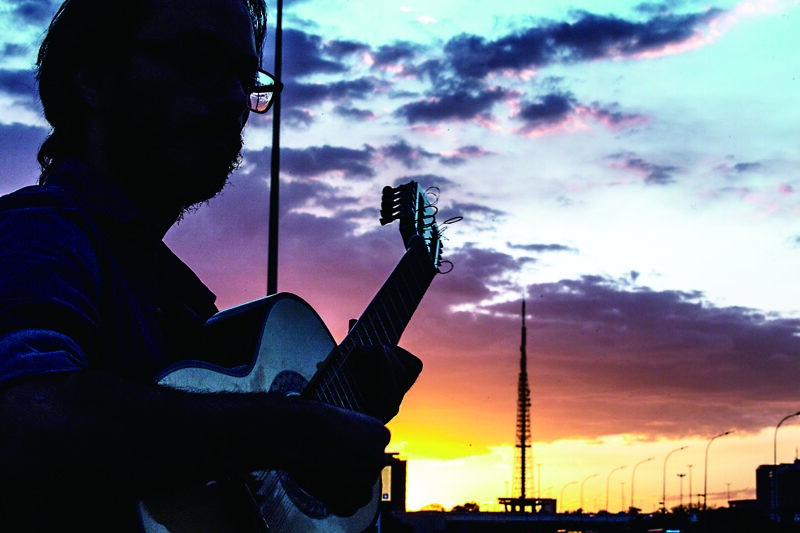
x,y
35,197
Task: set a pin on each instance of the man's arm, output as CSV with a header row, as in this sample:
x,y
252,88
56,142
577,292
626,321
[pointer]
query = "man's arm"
x,y
109,432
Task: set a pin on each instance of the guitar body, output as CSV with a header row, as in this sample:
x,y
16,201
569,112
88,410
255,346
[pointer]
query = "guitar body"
x,y
284,348
290,341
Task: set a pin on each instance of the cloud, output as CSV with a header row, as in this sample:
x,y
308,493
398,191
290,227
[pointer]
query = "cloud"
x,y
589,37
409,156
747,167
458,105
666,363
463,154
18,83
390,55
297,117
304,54
352,113
315,160
342,48
308,94
550,109
653,174
540,248
35,12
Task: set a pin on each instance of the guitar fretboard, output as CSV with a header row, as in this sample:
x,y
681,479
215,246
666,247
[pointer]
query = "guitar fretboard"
x,y
383,322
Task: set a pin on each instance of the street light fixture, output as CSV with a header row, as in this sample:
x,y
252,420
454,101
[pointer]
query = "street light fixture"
x,y
608,480
775,440
775,460
561,498
633,473
664,480
705,470
582,483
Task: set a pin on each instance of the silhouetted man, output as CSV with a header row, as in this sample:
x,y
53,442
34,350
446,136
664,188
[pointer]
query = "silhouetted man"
x,y
147,100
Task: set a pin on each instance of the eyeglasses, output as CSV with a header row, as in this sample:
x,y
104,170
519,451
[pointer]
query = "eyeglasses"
x,y
203,63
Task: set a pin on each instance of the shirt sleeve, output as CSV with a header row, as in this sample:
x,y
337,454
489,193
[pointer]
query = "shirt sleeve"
x,y
49,291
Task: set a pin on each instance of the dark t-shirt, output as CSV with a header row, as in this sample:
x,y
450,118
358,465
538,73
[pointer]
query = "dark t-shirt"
x,y
87,283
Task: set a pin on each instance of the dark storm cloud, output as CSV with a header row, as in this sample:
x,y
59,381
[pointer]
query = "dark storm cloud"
x,y
35,12
654,174
353,113
307,94
675,353
316,160
304,54
550,109
478,271
409,156
457,105
390,54
18,83
463,154
341,48
589,37
540,248
297,117
746,167
14,50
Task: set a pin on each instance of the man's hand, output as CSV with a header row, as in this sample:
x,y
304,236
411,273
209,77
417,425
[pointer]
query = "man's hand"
x,y
340,457
383,375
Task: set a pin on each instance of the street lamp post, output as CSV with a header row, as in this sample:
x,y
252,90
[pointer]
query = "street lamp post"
x,y
690,485
582,483
561,498
664,479
608,480
705,470
775,460
681,493
633,473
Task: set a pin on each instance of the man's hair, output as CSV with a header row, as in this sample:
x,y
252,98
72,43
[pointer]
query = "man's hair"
x,y
92,32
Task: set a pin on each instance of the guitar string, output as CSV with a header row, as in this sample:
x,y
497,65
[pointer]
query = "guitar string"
x,y
337,386
345,389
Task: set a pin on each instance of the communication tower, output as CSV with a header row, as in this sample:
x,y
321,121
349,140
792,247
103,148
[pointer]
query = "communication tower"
x,y
523,455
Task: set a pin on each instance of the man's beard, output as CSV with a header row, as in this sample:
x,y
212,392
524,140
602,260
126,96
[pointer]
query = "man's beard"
x,y
156,170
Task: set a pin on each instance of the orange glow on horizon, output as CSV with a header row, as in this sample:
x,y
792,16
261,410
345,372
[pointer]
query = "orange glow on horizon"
x,y
449,479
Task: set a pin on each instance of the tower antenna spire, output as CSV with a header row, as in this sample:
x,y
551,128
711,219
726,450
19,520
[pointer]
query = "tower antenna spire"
x,y
523,457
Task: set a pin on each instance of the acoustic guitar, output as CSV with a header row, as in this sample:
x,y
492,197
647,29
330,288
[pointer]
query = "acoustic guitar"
x,y
293,353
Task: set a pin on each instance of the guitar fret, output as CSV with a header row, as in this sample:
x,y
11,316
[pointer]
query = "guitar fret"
x,y
380,330
392,335
383,322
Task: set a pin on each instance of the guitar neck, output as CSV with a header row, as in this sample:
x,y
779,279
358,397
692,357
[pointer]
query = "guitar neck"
x,y
383,322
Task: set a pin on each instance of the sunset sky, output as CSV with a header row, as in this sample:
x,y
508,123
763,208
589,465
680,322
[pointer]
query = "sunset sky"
x,y
630,167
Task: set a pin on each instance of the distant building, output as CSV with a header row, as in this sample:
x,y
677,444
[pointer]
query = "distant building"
x,y
778,487
393,481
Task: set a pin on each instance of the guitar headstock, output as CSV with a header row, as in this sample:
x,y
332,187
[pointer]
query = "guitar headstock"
x,y
410,205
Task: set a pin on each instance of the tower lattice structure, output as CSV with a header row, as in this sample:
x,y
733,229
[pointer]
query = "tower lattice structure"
x,y
523,454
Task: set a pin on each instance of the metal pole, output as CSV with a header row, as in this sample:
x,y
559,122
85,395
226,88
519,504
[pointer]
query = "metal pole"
x,y
664,480
582,483
608,480
633,473
272,252
561,498
775,460
705,470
